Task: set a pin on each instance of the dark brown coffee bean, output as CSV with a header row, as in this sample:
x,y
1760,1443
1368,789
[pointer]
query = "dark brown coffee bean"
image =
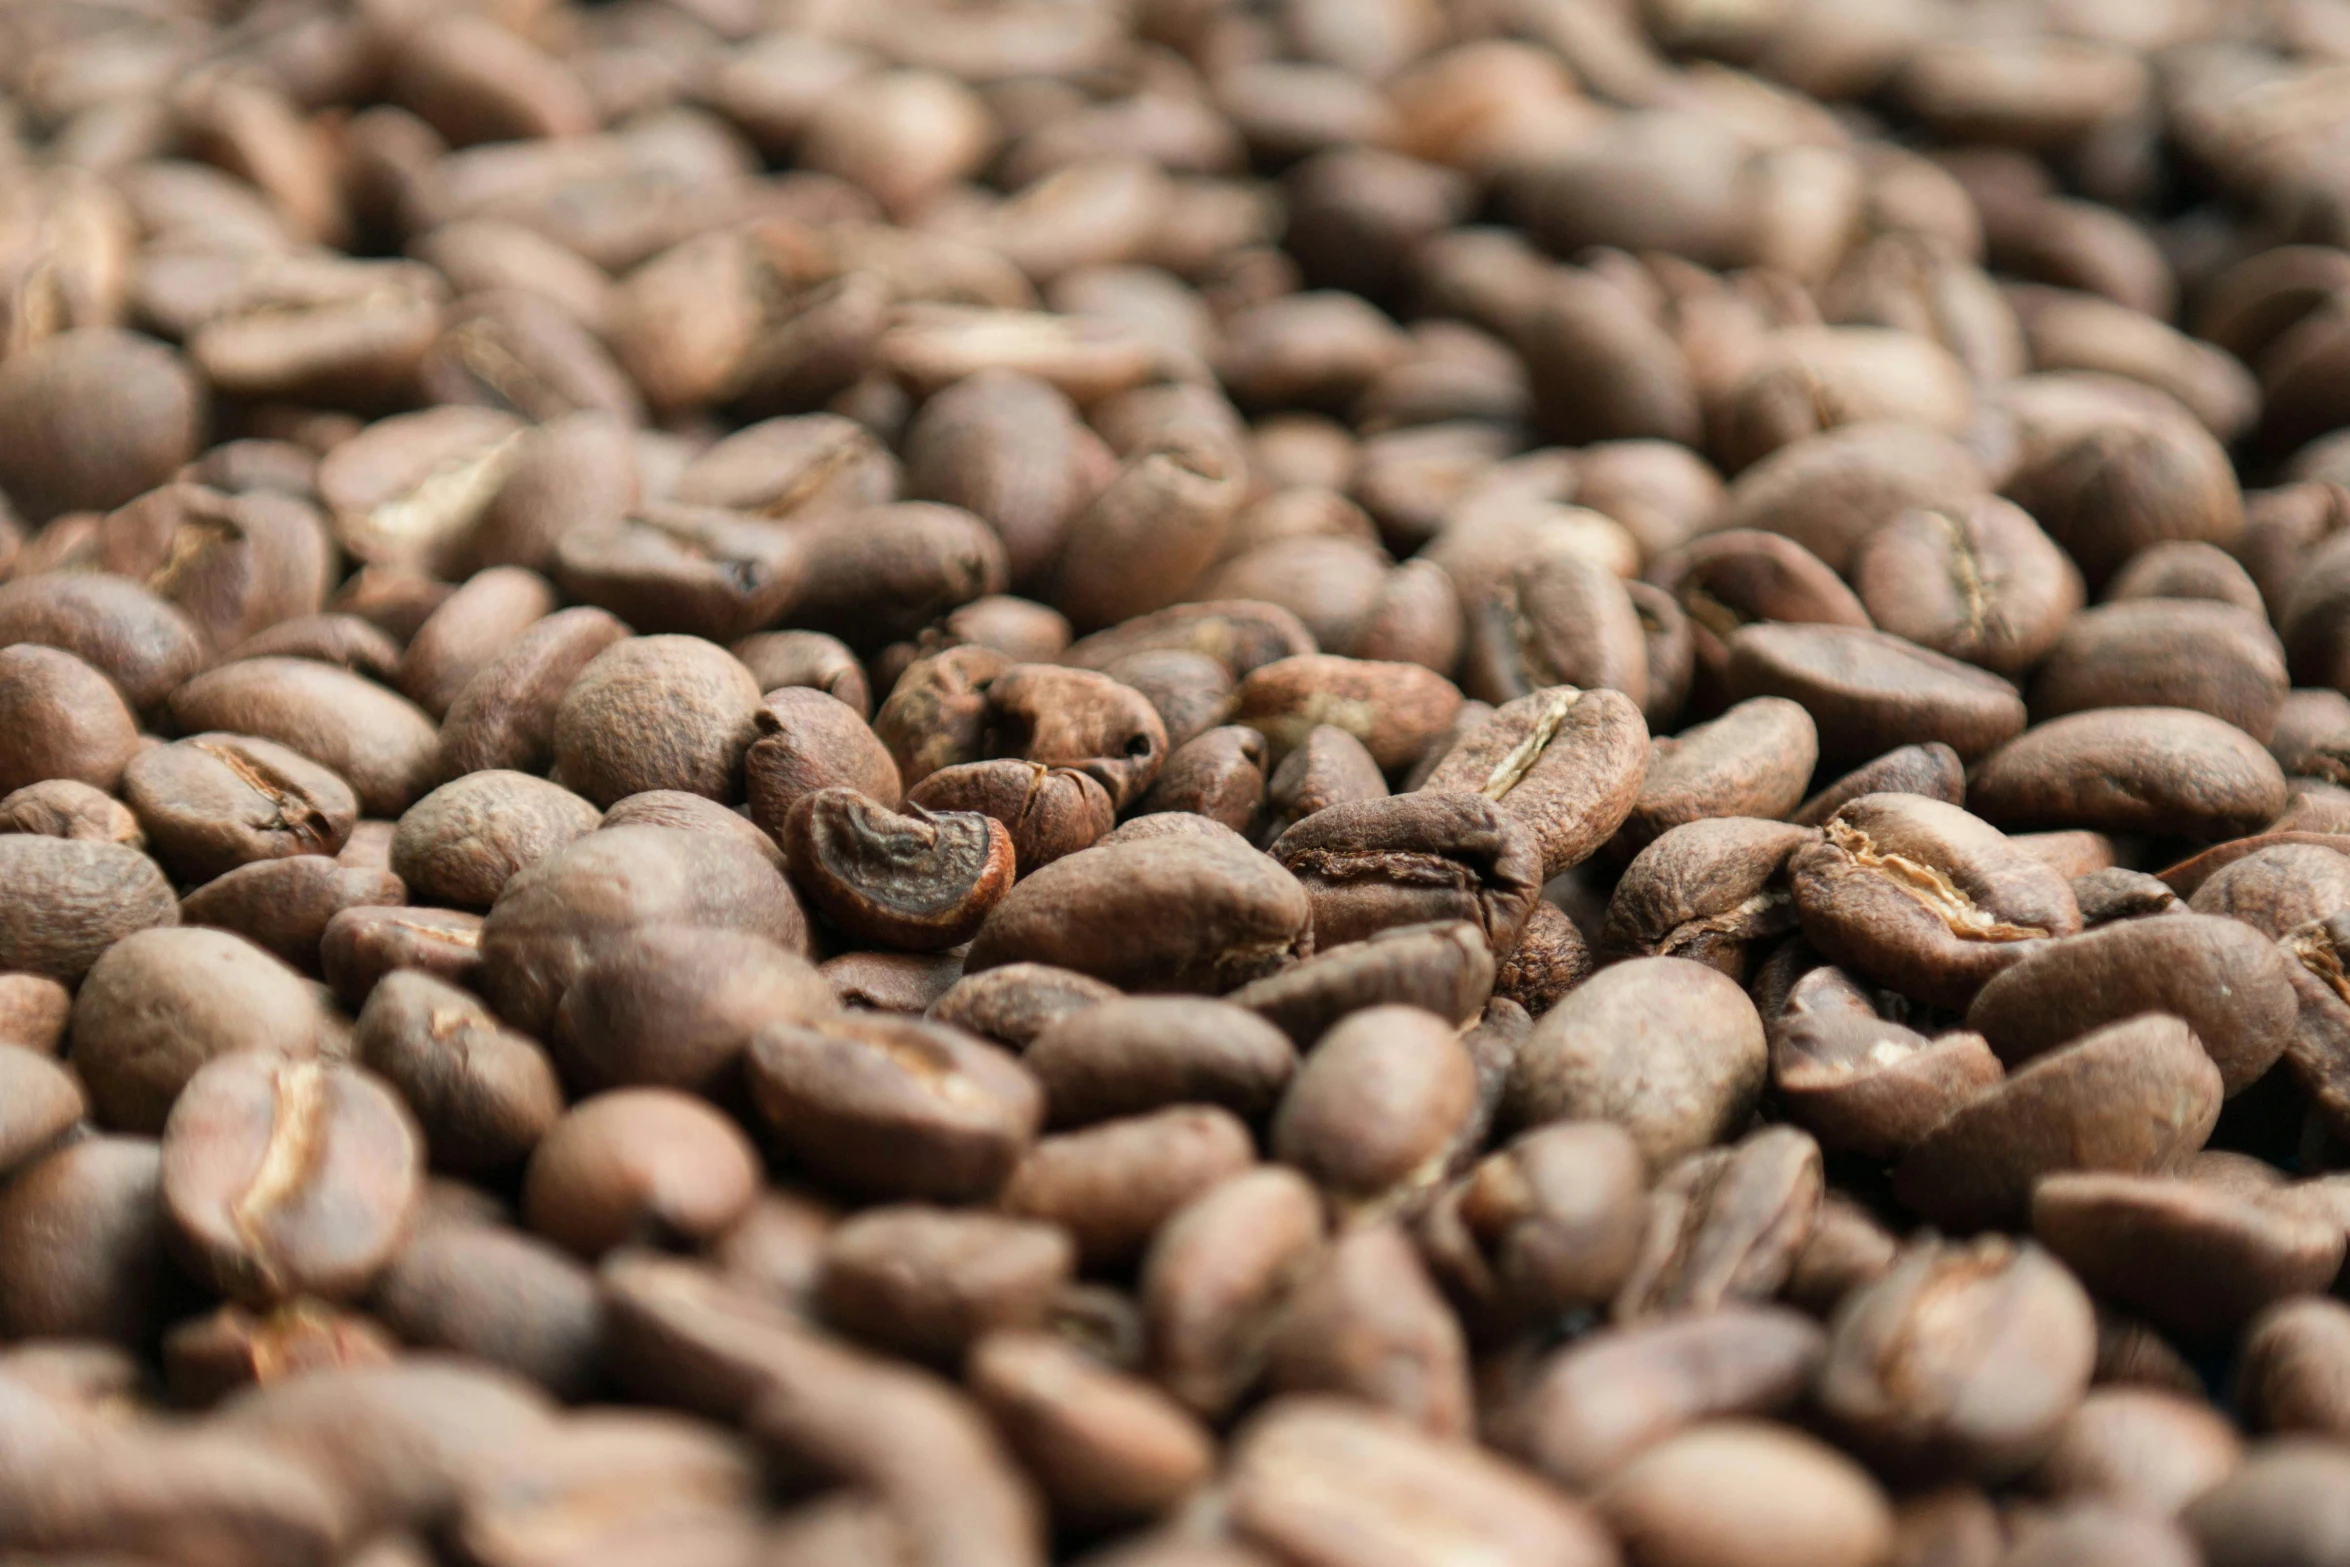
x,y
2231,986
1150,529
93,417
1329,767
637,1165
1219,774
71,900
1964,1360
2139,1447
86,1227
1179,914
806,658
1309,1472
1567,764
664,712
895,1106
1862,1083
1551,1223
33,1013
1727,580
235,565
1772,1494
907,982
1013,1004
472,629
918,883
1105,1447
2112,894
1830,492
1243,634
2312,735
209,1357
1932,769
684,812
1191,692
2193,1260
286,1176
1077,719
483,1094
808,741
2211,658
874,576
1365,1322
1866,690
383,746
2185,569
1050,812
1754,760
61,808
1010,448
1562,620
1978,581
2135,1096
1705,891
936,714
1725,1224
362,945
1379,1109
1924,897
2132,769
213,802
674,1006
1446,969
129,635
42,1102
2294,1374
409,490
1413,859
463,842
1667,1048
1111,1185
927,1282
283,906
1215,1279
343,640
1141,1053
2285,1505
63,720
691,570
1847,1248
161,1004
505,715
539,935
498,1295
1394,709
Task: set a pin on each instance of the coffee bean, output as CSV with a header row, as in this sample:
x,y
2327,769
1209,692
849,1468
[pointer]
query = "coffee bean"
x,y
207,1358
693,813
61,808
2132,769
927,1282
1932,770
1413,859
72,900
663,712
94,416
809,741
362,945
918,882
1215,1278
117,627
64,720
777,659
1105,1447
1705,891
33,1013
1219,774
692,570
2294,1355
1365,1322
87,1229
472,629
1112,1184
2139,1447
384,747
1770,1494
635,1165
2278,889
894,1106
213,802
1013,1004
2134,1096
1754,760
1379,1109
1567,764
1866,690
284,906
1925,897
675,1006
1978,581
463,842
504,716
2285,1504
2004,1333
1861,1082
1445,969
1726,1224
1394,709
1329,767
907,982
483,1095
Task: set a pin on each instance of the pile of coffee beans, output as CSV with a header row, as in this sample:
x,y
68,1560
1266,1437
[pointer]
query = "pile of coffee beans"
x,y
1174,783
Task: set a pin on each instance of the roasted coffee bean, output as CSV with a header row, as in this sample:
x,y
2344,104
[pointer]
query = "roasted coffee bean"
x,y
675,1006
927,1282
905,982
1978,581
1394,709
1726,1224
1925,897
43,1103
2291,1374
693,813
1932,769
71,900
1013,1004
63,720
384,747
1160,914
635,1165
1860,1082
207,1358
1546,1225
284,906
1329,767
1704,891
1366,1322
213,802
1077,719
662,712
1561,620
918,882
87,1225
1964,1360
145,645
1379,1109
1051,812
463,842
360,946
499,1296
2210,658
1111,1185
2132,769
505,715
287,1176
61,808
1772,1494
1219,774
473,627
2112,894
777,659
1667,1048
1567,764
1754,760
2194,1261
33,1013
1105,1447
483,1094
1215,1279
1134,1054
2139,1447
1867,690
1412,859
163,1003
809,741
1446,969
895,1106
695,570
2278,889
2233,988
2135,1096
1191,692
